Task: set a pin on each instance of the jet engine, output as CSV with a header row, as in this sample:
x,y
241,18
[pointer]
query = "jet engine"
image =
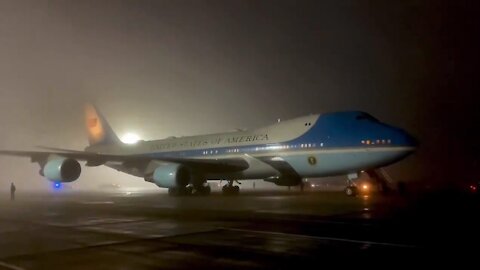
x,y
61,170
170,175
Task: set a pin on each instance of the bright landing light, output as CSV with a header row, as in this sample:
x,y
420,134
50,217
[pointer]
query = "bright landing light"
x,y
130,138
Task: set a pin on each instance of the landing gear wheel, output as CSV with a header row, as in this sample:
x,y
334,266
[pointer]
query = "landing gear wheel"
x,y
188,190
203,190
351,191
230,190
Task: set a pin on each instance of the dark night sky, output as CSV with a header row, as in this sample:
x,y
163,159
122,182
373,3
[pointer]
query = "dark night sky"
x,y
163,68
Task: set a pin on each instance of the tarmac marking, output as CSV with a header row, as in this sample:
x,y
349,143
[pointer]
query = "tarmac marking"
x,y
320,220
100,202
106,245
323,238
10,266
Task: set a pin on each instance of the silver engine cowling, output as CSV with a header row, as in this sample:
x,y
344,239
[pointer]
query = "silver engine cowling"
x,y
61,170
170,175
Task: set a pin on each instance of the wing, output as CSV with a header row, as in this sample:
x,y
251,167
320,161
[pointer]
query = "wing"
x,y
59,149
140,161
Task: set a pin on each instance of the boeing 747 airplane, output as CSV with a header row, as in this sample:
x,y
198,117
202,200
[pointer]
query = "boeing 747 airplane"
x,y
319,145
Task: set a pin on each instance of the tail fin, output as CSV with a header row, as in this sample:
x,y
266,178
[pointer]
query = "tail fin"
x,y
99,131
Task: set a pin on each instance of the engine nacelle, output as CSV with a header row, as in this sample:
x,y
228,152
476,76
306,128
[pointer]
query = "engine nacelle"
x,y
283,180
61,170
170,175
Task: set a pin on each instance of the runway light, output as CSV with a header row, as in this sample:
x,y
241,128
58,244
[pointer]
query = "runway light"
x,y
130,138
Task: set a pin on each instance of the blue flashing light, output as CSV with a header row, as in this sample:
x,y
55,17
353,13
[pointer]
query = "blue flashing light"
x,y
57,185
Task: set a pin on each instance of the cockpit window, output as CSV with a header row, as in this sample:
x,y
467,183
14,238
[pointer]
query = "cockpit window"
x,y
366,116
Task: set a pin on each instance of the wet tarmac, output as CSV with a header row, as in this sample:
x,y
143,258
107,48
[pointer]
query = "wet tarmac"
x,y
276,230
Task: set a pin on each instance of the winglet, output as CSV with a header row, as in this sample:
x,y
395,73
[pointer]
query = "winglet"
x,y
98,129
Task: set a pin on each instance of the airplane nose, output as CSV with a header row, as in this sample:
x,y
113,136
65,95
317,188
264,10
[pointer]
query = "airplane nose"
x,y
407,140
401,137
411,141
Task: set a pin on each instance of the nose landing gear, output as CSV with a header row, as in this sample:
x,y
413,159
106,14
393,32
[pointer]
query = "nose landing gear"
x,y
378,179
351,191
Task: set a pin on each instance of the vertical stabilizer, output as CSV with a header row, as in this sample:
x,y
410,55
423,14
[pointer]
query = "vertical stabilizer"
x,y
98,129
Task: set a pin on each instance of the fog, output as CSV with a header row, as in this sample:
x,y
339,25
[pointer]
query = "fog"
x,y
163,68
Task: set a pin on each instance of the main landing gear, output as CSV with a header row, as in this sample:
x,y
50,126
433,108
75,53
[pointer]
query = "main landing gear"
x,y
203,190
230,189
